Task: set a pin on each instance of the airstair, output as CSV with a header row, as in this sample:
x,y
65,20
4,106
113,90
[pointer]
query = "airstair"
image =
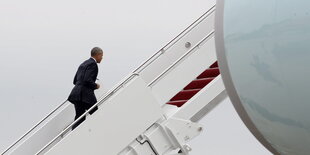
x,y
154,111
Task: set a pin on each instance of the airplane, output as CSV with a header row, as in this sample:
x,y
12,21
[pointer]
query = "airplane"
x,y
253,52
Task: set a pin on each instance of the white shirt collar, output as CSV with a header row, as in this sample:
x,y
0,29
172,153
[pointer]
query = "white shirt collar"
x,y
94,59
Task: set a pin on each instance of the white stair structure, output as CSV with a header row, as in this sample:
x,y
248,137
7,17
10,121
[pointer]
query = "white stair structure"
x,y
154,111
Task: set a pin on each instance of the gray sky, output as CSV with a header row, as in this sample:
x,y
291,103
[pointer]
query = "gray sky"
x,y
43,42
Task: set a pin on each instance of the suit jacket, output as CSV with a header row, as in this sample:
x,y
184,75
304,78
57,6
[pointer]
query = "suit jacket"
x,y
84,81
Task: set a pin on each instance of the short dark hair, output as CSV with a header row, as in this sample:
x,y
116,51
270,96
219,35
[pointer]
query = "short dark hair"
x,y
95,51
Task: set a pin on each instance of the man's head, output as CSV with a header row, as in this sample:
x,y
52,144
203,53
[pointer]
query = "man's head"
x,y
97,54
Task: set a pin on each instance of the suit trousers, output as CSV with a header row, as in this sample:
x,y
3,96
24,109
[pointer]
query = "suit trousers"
x,y
80,109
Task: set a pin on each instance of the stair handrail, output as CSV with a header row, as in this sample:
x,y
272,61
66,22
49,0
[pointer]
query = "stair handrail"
x,y
139,70
135,73
174,40
180,59
34,127
103,99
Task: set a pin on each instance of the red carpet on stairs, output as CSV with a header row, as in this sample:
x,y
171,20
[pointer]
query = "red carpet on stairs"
x,y
195,86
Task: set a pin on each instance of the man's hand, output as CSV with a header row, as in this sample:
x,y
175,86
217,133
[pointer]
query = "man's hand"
x,y
98,86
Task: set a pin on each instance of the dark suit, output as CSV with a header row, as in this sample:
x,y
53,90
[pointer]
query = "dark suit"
x,y
82,95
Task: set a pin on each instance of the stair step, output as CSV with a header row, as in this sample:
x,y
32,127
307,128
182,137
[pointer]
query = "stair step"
x,y
195,86
185,94
199,83
214,65
178,103
211,72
